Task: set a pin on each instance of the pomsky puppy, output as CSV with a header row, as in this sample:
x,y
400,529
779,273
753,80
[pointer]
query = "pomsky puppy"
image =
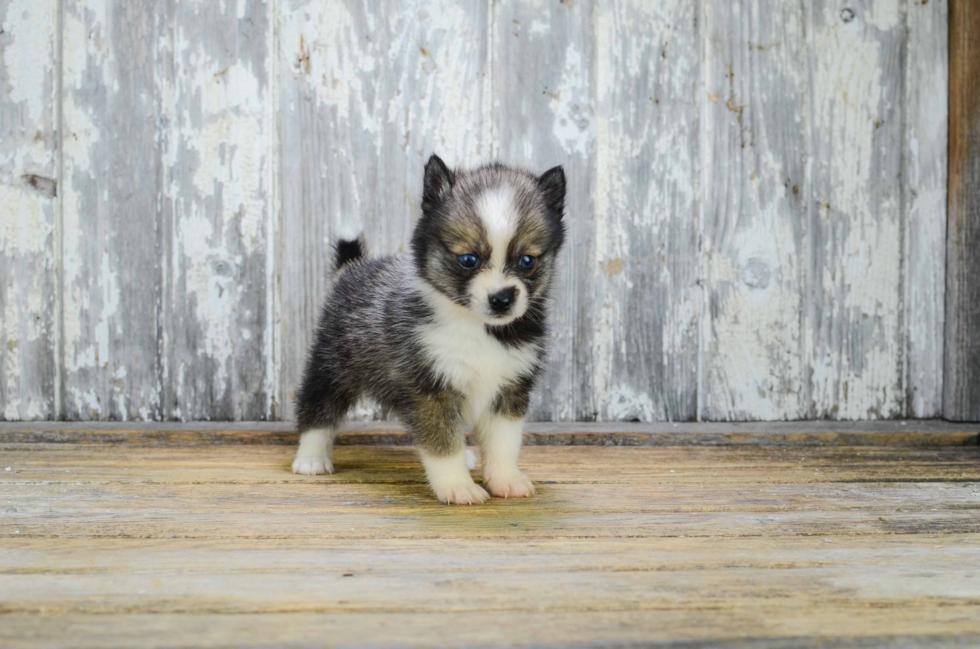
x,y
450,336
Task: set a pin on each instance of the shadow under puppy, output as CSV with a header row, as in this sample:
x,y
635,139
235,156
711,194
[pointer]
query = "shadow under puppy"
x,y
451,336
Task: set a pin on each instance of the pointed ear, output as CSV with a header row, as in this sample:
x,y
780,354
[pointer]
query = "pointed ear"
x,y
552,183
438,181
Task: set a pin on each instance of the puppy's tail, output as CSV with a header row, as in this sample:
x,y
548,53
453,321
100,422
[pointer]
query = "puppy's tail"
x,y
348,251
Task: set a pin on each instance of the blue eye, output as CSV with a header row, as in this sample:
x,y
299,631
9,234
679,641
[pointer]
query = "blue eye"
x,y
526,262
469,260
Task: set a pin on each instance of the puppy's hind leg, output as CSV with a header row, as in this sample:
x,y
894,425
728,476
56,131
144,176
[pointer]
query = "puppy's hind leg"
x,y
321,407
315,452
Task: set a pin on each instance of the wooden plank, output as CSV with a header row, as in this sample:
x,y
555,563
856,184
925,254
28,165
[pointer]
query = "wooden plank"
x,y
167,239
379,577
221,492
218,303
688,468
544,114
367,94
110,201
883,433
854,331
961,395
754,230
923,627
925,182
28,209
763,545
645,266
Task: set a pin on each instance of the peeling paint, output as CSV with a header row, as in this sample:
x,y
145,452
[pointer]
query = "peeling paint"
x,y
855,337
743,213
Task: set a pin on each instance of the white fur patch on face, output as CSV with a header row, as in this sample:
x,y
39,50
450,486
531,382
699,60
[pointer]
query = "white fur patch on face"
x,y
497,211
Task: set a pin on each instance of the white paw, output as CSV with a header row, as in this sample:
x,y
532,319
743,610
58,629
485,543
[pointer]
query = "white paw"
x,y
314,465
461,494
515,485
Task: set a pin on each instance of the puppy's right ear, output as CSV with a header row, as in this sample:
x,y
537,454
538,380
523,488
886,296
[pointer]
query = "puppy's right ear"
x,y
438,181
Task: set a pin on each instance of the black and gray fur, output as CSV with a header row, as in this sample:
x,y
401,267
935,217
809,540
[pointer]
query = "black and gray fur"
x,y
367,341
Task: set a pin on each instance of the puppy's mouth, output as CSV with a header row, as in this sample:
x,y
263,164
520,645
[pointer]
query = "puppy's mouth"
x,y
501,319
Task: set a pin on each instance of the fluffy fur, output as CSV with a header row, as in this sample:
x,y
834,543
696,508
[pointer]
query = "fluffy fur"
x,y
442,345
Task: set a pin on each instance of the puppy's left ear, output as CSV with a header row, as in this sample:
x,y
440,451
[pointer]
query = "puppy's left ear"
x,y
552,183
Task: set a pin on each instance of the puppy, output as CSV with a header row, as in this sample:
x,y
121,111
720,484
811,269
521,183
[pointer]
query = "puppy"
x,y
449,337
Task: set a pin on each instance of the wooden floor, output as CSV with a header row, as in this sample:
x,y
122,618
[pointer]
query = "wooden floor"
x,y
126,545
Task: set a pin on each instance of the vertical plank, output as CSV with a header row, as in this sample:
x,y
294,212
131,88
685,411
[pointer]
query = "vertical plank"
x,y
28,187
961,394
854,319
926,153
755,191
218,306
367,94
112,243
544,115
647,299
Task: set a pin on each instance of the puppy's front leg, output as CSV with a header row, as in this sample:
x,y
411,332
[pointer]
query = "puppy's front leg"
x,y
500,443
435,422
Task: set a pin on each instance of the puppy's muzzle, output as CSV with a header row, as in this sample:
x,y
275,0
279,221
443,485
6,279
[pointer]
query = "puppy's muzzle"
x,y
501,301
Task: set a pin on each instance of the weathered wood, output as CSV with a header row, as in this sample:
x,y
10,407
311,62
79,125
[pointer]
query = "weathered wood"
x,y
111,184
754,221
925,181
101,546
882,433
303,578
164,256
28,209
854,332
926,625
167,212
646,305
367,94
961,394
217,314
544,114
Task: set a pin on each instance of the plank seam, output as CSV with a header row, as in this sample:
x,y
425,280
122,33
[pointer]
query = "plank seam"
x,y
700,20
904,245
59,252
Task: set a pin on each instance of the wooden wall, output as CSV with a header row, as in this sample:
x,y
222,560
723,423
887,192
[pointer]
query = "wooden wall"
x,y
757,208
962,394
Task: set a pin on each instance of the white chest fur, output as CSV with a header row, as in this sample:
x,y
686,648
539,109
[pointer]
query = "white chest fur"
x,y
472,360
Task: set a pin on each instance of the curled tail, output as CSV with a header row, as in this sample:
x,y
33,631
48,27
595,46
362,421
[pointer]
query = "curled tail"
x,y
348,251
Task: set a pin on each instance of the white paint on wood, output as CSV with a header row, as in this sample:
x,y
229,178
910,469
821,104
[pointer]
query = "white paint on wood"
x,y
27,209
754,184
756,189
854,324
926,144
220,169
646,307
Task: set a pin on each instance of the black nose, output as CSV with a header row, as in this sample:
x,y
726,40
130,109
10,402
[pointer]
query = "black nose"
x,y
501,300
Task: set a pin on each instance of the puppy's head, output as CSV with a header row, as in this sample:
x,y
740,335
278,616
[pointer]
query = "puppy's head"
x,y
488,238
